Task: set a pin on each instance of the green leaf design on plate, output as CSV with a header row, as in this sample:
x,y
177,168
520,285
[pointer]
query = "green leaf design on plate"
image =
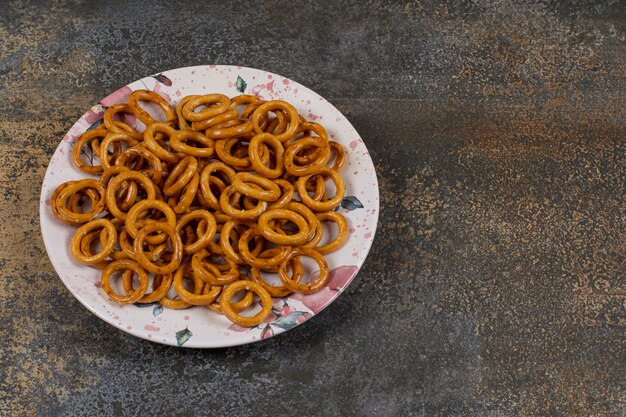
x,y
241,84
350,202
289,321
182,336
144,305
158,309
96,124
88,152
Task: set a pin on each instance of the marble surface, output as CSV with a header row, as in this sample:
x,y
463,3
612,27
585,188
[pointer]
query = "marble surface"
x,y
496,283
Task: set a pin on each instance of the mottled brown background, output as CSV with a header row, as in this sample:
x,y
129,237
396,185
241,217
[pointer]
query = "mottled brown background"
x,y
496,283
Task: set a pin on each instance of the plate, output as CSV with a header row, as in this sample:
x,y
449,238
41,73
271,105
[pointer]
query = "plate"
x,y
198,327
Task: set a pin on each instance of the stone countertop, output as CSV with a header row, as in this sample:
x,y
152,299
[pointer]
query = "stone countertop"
x,y
496,282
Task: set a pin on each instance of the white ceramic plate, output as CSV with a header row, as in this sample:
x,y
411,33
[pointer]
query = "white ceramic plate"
x,y
199,327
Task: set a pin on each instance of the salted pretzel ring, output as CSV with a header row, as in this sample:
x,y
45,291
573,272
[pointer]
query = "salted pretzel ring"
x,y
268,191
118,126
208,232
126,175
234,288
175,241
251,259
262,111
149,139
342,231
107,245
313,167
144,116
178,142
158,292
180,176
311,287
322,205
189,297
87,139
214,120
254,153
73,217
216,104
228,208
279,238
134,220
205,186
128,159
125,264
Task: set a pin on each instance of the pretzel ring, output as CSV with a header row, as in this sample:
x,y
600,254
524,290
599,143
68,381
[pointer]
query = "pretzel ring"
x,y
181,202
269,190
107,246
244,251
205,186
125,264
230,128
217,103
126,157
254,154
118,126
251,102
204,238
342,233
126,175
282,239
175,241
178,142
113,139
188,297
133,219
215,120
309,216
72,188
127,191
312,167
311,287
55,203
265,108
340,155
87,139
223,148
322,205
235,287
240,214
144,116
180,176
153,145
183,124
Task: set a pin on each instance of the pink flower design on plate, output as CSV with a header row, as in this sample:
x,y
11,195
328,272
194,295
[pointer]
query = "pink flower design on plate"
x,y
338,279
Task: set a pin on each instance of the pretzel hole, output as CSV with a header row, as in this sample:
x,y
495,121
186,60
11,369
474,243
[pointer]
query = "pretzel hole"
x,y
153,110
310,270
330,232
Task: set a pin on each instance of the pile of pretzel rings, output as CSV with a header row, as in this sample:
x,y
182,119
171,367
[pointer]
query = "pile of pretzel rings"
x,y
205,201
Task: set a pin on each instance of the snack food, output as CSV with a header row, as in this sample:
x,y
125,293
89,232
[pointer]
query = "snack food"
x,y
205,197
